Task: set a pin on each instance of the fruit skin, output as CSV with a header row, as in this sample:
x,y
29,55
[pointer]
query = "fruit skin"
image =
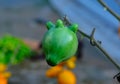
x,y
53,71
59,42
3,68
66,77
70,63
3,81
3,74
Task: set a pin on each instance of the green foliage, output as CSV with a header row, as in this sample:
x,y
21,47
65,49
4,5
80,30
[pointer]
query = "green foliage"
x,y
13,50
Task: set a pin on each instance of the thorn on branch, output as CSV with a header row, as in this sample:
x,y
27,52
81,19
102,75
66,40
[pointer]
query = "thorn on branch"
x,y
92,38
100,42
105,9
66,21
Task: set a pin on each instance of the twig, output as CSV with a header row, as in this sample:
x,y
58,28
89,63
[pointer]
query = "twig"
x,y
94,42
109,10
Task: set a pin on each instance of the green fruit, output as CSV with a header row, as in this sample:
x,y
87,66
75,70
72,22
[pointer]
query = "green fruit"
x,y
59,42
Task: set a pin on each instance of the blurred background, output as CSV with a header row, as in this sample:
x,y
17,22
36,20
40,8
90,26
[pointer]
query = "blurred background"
x,y
26,19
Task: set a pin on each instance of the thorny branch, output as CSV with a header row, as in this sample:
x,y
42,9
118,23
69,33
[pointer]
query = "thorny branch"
x,y
109,10
93,42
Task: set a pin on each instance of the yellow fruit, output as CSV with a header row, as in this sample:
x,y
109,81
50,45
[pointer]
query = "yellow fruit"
x,y
66,77
3,67
7,74
53,72
70,64
73,59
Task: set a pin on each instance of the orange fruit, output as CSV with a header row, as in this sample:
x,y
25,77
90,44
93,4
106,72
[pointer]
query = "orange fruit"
x,y
66,77
1,76
3,81
53,72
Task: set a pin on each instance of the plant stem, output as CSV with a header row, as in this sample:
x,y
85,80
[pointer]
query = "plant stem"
x,y
109,10
100,48
94,42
